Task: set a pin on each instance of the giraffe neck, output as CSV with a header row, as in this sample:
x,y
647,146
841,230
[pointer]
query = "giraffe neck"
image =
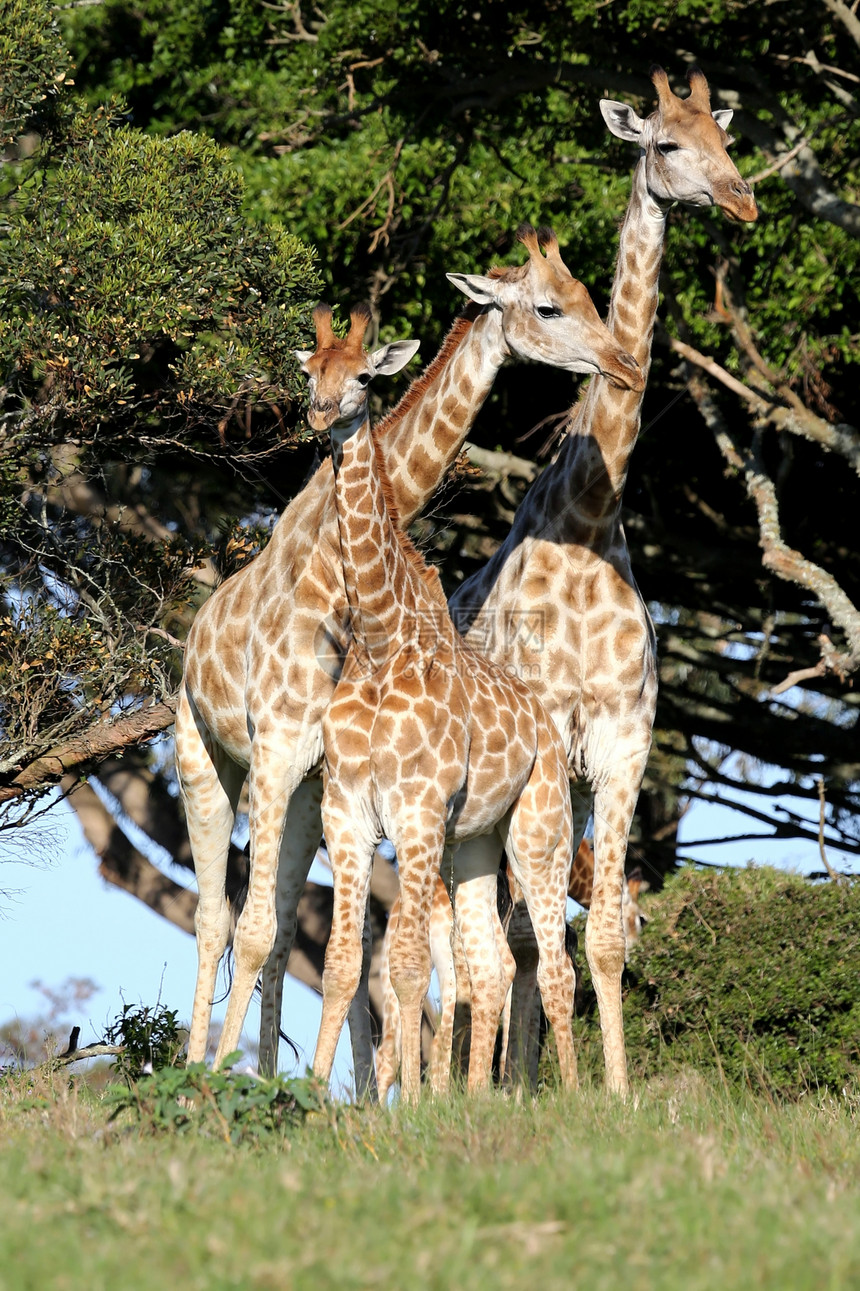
x,y
422,435
382,573
606,421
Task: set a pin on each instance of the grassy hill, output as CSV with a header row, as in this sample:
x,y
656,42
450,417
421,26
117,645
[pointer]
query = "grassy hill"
x,y
685,1185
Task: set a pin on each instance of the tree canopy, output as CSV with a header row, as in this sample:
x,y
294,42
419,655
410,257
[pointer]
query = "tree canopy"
x,y
181,183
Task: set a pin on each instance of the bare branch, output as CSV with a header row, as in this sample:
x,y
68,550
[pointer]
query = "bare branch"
x,y
74,1054
786,563
821,848
798,420
90,746
846,16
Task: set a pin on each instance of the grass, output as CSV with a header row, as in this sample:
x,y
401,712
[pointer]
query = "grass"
x,y
682,1186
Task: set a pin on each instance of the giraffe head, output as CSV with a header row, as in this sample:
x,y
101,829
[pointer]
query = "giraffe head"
x,y
684,146
547,316
339,371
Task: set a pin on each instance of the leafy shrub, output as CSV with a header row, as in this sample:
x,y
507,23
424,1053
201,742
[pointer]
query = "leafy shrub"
x,y
750,973
150,1038
234,1106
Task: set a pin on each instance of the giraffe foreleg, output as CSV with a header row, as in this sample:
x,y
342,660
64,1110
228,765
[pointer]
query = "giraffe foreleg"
x,y
614,802
350,843
388,1053
254,938
419,843
442,954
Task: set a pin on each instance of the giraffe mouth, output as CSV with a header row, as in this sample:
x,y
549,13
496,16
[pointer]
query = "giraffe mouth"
x,y
738,207
625,373
322,419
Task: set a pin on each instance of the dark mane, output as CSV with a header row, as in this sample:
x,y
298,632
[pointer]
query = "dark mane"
x,y
416,391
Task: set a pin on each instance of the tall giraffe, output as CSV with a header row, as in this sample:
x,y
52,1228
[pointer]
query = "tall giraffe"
x,y
425,742
265,651
564,568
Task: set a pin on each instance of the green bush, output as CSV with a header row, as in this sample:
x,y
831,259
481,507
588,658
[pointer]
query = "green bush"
x,y
237,1107
750,973
150,1037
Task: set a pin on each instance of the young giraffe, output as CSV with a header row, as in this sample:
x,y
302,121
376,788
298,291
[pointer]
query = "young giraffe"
x,y
565,566
425,742
265,651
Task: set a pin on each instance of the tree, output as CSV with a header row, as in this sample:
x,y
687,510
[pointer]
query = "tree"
x,y
140,314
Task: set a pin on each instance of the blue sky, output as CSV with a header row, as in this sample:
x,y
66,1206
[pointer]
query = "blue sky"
x,y
59,919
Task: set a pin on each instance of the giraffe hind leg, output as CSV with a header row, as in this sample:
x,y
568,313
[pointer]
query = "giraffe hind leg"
x,y
485,950
540,861
210,784
302,833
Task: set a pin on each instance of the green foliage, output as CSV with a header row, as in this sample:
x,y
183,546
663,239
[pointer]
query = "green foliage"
x,y
236,1107
132,288
750,974
36,66
82,626
150,1038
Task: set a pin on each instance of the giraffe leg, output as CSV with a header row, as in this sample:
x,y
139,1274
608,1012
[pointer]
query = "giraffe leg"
x,y
269,799
524,1040
442,956
350,848
614,801
541,865
524,1030
210,784
419,844
461,1023
489,961
360,1033
388,1053
302,833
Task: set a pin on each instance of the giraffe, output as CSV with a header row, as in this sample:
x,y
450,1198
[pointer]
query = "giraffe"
x,y
265,651
564,567
425,742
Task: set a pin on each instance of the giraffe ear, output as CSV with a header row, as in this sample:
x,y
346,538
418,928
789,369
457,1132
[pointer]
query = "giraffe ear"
x,y
483,290
303,356
391,358
622,120
723,117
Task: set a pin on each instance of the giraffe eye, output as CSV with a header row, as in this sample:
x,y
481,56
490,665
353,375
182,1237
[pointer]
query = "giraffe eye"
x,y
363,379
666,148
547,311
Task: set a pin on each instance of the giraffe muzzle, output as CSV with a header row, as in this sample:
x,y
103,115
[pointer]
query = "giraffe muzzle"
x,y
625,372
738,203
322,414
